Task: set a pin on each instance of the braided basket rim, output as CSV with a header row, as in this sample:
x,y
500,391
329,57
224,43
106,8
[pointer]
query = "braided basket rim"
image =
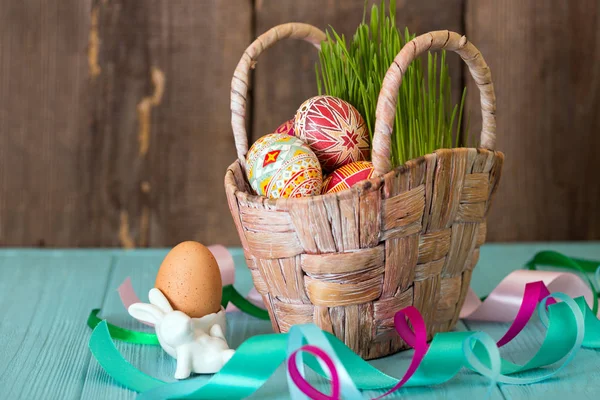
x,y
366,185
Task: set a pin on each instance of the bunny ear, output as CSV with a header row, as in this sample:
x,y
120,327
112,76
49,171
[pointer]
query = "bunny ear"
x,y
157,298
146,312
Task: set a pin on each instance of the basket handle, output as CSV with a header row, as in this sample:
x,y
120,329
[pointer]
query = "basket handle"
x,y
239,83
386,104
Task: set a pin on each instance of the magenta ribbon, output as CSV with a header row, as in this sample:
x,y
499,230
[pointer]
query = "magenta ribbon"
x,y
534,294
503,304
416,339
514,299
303,384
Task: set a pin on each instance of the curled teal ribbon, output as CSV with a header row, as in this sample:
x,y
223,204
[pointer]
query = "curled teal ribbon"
x,y
265,353
476,351
571,324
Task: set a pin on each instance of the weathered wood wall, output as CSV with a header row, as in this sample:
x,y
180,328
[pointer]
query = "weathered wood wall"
x,y
545,60
114,114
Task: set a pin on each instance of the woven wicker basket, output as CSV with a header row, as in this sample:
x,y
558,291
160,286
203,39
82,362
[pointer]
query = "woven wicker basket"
x,y
348,261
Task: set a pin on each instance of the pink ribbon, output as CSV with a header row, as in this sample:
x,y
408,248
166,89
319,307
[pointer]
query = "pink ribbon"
x,y
534,293
128,296
514,299
226,263
503,304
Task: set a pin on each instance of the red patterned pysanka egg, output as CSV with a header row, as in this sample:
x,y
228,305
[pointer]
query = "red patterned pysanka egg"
x,y
287,128
334,130
347,176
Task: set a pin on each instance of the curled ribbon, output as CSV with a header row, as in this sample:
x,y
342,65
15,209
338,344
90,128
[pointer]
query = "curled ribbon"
x,y
570,325
445,356
507,303
502,305
303,385
450,352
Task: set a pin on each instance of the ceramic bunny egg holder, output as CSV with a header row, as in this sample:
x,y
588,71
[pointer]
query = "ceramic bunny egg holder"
x,y
198,344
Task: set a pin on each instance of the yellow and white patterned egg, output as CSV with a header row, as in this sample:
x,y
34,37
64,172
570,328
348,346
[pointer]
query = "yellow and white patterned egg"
x,y
280,165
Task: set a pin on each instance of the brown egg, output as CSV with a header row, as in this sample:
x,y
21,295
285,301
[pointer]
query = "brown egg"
x,y
189,277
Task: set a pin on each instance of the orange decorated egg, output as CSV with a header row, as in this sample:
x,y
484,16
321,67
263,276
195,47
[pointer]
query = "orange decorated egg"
x,y
347,176
334,130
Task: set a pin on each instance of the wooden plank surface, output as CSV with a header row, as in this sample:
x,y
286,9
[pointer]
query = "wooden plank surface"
x,y
46,296
545,63
161,121
285,74
43,140
142,267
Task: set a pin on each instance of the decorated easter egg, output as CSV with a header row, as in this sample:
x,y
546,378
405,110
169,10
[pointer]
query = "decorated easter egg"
x,y
190,278
279,165
334,130
287,128
347,176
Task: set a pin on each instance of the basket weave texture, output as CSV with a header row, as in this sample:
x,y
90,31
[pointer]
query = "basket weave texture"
x,y
348,261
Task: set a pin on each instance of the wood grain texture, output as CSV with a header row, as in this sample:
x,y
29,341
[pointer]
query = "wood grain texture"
x,y
45,299
114,117
142,269
44,147
285,75
160,120
545,62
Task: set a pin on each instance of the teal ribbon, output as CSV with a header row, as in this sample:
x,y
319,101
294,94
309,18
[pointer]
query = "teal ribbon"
x,y
444,359
122,334
570,325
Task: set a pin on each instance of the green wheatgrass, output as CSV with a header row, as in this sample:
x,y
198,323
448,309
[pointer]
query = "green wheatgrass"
x,y
426,118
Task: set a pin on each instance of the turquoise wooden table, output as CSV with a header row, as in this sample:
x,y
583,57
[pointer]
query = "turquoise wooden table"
x,y
46,296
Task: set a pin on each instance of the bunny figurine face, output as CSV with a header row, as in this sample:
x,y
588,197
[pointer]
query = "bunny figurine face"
x,y
198,344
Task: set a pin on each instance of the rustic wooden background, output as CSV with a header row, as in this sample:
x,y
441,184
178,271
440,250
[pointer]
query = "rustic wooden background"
x,y
114,114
